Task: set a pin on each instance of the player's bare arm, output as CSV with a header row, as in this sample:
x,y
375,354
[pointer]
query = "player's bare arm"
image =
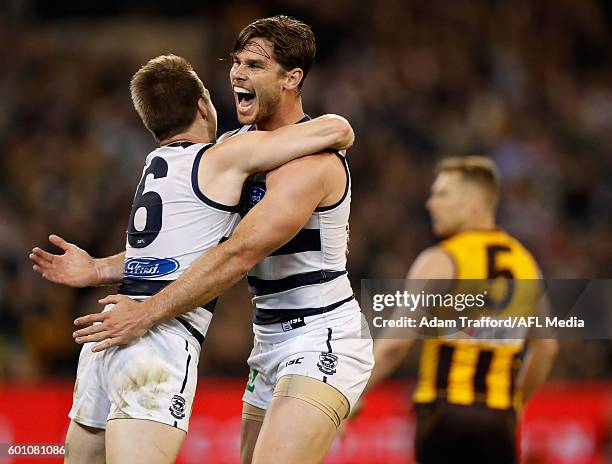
x,y
239,157
231,162
293,192
390,351
75,267
258,151
539,357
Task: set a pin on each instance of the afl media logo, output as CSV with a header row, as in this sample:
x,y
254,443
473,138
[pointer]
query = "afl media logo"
x,y
327,363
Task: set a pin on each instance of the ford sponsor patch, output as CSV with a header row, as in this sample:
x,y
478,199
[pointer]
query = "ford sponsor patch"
x,y
147,267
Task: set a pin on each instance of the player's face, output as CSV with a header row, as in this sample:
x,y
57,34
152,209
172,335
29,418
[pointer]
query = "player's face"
x,y
447,204
256,81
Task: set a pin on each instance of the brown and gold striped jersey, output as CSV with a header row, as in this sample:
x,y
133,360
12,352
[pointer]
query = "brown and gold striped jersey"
x,y
475,370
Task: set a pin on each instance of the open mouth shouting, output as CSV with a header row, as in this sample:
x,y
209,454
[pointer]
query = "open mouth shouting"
x,y
245,100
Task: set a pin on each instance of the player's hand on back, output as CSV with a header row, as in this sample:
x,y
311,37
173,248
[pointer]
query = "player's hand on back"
x,y
125,322
75,267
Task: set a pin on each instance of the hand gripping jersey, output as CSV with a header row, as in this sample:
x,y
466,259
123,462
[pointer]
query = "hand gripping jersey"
x,y
171,224
307,275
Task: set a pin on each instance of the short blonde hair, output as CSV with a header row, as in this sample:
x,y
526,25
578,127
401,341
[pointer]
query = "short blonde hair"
x,y
477,169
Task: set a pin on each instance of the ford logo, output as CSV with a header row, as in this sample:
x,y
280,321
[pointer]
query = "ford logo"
x,y
145,268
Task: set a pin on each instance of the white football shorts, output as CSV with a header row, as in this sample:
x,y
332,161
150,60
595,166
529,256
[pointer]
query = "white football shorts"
x,y
334,347
153,378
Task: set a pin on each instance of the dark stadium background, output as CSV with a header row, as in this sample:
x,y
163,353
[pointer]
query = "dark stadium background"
x,y
527,82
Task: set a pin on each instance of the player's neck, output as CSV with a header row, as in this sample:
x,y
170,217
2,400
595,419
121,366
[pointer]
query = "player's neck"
x,y
288,112
188,136
482,223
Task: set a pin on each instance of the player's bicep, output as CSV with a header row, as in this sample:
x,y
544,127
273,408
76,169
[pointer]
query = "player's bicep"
x,y
432,272
542,308
433,263
294,141
250,152
259,151
292,193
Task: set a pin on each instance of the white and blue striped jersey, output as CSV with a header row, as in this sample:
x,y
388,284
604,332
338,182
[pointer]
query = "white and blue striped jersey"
x,y
171,224
307,275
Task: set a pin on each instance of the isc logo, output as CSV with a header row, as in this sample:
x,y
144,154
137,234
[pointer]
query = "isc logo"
x,y
293,324
294,361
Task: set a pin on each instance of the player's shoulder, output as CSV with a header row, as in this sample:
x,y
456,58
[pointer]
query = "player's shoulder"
x,y
501,236
320,166
318,161
519,247
433,263
477,237
468,244
231,133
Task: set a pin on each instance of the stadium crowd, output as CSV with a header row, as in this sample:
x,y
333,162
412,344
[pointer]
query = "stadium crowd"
x,y
526,82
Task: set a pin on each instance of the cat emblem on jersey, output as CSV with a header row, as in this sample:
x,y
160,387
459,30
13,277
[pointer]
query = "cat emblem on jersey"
x,y
177,407
327,363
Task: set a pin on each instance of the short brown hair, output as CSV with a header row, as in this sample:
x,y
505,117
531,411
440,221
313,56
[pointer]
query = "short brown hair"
x,y
165,93
293,41
478,169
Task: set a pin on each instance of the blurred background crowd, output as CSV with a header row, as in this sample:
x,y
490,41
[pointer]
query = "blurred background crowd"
x,y
527,82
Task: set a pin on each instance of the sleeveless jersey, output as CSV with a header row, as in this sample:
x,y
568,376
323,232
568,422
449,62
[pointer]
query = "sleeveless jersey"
x,y
171,224
307,275
475,370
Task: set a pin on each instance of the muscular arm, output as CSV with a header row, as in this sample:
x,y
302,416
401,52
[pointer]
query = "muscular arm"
x,y
390,350
258,151
539,357
229,163
293,192
538,362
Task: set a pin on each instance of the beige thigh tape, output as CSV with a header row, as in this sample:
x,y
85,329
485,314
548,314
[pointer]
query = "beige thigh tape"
x,y
320,394
250,412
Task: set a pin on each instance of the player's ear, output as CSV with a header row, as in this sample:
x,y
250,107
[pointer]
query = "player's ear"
x,y
293,79
202,108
